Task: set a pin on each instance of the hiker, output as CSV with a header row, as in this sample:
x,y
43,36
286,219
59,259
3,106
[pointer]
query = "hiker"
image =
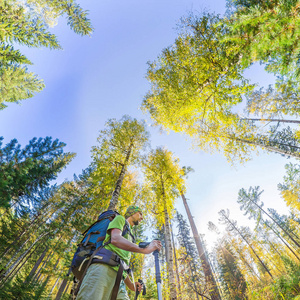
x,y
99,281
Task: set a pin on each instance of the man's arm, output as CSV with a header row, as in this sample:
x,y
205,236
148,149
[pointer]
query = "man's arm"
x,y
120,242
133,286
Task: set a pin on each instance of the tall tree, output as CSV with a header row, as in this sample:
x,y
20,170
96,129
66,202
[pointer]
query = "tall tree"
x,y
272,103
196,84
209,276
193,278
266,31
163,174
232,225
120,146
25,172
26,23
232,279
290,188
250,202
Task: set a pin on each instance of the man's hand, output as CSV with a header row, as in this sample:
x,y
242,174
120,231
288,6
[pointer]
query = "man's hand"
x,y
138,286
133,287
154,245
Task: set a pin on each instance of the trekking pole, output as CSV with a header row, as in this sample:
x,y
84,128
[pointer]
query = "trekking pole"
x,y
157,269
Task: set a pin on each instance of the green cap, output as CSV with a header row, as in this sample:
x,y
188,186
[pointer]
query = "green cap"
x,y
131,210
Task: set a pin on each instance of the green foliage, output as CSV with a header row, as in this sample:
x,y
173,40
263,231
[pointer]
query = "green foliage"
x,y
290,188
287,285
25,172
195,83
20,290
17,83
267,31
120,146
275,102
164,175
26,23
150,286
192,275
232,279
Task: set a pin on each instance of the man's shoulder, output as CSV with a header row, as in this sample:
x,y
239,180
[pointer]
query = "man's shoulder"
x,y
117,222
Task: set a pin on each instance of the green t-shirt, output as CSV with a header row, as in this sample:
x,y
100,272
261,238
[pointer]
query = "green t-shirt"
x,y
118,222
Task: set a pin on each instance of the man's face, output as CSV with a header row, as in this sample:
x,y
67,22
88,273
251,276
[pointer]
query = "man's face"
x,y
137,218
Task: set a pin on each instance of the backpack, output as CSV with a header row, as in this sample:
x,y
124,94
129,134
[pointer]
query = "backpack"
x,y
92,240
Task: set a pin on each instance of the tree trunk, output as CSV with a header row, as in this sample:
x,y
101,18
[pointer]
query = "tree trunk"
x,y
272,120
61,289
250,268
53,288
296,243
176,264
271,148
18,261
209,277
38,274
283,241
31,274
28,229
114,200
169,252
17,266
252,249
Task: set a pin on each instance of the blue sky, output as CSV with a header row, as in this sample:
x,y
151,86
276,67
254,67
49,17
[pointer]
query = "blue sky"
x,y
103,76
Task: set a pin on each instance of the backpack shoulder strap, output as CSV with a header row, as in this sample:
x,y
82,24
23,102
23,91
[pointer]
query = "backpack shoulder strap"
x,y
126,229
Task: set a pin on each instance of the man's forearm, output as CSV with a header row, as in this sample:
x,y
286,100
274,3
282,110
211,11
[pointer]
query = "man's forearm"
x,y
124,244
129,283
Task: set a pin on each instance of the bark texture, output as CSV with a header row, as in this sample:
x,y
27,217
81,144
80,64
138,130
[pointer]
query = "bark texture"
x,y
209,277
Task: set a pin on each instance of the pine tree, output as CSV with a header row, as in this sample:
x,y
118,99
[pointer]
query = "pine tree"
x,y
193,278
232,225
233,281
25,172
266,32
250,202
26,23
290,188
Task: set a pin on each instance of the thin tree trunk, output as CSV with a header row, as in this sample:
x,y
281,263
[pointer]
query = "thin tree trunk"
x,y
114,200
252,249
38,274
194,282
29,227
169,252
283,241
271,148
61,289
22,256
296,243
66,290
176,264
209,278
16,253
35,267
17,267
272,120
53,288
247,264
